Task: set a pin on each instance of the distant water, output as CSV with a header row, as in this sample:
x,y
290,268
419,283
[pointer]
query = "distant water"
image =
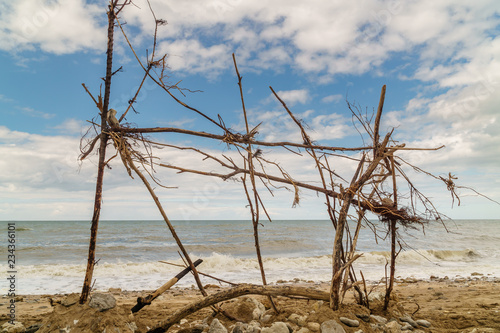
x,y
51,255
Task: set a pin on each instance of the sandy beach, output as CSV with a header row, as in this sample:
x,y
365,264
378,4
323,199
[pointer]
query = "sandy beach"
x,y
449,305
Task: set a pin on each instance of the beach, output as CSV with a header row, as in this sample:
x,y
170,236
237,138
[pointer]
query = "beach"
x,y
449,278
449,305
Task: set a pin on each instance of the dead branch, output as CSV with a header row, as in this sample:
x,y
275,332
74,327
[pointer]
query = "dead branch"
x,y
246,289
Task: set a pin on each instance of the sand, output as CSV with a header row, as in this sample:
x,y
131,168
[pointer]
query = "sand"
x,y
458,305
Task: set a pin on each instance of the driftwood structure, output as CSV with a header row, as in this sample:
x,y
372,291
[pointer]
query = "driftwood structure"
x,y
373,185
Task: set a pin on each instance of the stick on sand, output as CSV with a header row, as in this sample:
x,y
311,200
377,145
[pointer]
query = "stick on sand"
x,y
143,301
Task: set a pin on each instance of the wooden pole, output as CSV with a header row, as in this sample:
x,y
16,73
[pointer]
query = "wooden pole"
x,y
143,301
102,156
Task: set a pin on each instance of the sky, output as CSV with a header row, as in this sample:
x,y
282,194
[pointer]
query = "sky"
x,y
440,61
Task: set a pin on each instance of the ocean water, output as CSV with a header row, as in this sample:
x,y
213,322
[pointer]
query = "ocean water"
x,y
51,255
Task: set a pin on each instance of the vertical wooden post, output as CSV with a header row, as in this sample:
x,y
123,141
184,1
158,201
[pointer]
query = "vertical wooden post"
x,y
102,158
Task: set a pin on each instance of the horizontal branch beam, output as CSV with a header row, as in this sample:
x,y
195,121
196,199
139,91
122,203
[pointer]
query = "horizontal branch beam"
x,y
242,139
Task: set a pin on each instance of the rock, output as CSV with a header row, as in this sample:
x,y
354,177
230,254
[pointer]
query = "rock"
x,y
16,327
349,322
331,326
70,300
409,320
423,322
363,316
217,327
314,327
297,319
303,330
277,327
239,327
359,331
266,318
379,319
245,309
102,302
392,327
407,327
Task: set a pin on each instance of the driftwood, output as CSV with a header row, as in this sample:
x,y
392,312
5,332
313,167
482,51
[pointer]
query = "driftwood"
x,y
369,189
143,301
246,289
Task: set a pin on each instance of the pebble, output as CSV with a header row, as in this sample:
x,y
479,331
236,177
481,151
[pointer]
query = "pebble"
x,y
277,327
314,327
70,300
363,316
409,320
217,327
407,327
331,326
423,322
349,322
303,330
392,327
379,319
297,319
102,302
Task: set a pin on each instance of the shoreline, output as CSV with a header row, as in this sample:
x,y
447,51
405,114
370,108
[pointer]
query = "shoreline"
x,y
450,305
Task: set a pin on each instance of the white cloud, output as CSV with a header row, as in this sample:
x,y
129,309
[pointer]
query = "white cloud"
x,y
59,27
292,97
332,98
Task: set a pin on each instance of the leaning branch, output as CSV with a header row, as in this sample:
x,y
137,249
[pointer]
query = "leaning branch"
x,y
247,289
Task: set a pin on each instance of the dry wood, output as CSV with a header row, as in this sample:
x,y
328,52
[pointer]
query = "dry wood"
x,y
246,289
102,157
143,301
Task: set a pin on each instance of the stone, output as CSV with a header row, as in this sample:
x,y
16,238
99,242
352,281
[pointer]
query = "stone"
x,y
245,309
16,327
297,319
379,319
102,302
239,327
277,327
314,327
392,327
349,322
409,320
70,300
423,322
217,327
407,327
303,330
331,326
363,316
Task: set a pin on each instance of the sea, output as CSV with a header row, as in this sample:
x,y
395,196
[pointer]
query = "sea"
x,y
51,256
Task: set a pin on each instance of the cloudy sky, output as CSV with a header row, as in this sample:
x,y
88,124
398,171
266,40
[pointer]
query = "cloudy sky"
x,y
440,61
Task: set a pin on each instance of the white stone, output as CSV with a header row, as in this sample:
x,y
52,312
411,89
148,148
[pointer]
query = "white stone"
x,y
331,326
217,327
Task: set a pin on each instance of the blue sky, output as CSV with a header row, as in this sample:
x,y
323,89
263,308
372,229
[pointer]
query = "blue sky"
x,y
440,61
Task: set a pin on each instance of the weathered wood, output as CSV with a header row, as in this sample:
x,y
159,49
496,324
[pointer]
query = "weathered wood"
x,y
102,158
246,289
143,301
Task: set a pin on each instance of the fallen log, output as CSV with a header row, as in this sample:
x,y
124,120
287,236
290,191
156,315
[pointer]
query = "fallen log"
x,y
143,301
245,289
